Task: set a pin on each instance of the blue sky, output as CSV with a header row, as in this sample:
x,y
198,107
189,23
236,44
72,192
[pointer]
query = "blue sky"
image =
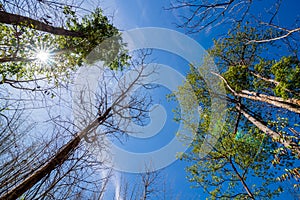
x,y
145,13
130,14
136,14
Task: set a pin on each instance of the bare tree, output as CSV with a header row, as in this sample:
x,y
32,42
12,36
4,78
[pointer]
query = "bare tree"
x,y
65,161
47,158
200,15
145,186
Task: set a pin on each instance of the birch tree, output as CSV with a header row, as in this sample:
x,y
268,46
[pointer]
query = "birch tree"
x,y
262,125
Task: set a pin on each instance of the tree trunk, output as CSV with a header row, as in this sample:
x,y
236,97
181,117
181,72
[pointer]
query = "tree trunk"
x,y
16,59
13,19
288,143
289,104
275,101
57,160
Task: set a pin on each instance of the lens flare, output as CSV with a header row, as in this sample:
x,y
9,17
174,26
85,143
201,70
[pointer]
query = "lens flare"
x,y
42,56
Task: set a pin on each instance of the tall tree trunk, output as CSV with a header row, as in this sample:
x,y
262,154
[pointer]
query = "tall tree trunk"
x,y
289,104
293,101
13,19
279,102
57,160
288,143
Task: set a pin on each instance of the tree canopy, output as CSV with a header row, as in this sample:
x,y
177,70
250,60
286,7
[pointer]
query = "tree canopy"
x,y
67,47
260,144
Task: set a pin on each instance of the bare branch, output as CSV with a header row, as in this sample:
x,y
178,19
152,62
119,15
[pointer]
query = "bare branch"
x,y
289,32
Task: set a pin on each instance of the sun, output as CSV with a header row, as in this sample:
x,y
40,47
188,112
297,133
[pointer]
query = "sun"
x,y
42,56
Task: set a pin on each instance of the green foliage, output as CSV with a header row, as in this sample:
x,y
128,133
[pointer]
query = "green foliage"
x,y
244,67
233,50
20,44
290,173
293,173
237,77
248,153
97,31
244,151
287,72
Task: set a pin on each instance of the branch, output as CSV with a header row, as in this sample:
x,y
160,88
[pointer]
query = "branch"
x,y
13,19
205,14
276,83
57,160
16,59
275,101
289,32
242,180
226,83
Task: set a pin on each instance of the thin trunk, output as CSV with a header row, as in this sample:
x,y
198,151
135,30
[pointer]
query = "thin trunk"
x,y
146,190
241,179
30,181
265,79
271,81
293,101
145,193
275,101
16,59
13,19
289,104
57,160
103,187
237,121
288,143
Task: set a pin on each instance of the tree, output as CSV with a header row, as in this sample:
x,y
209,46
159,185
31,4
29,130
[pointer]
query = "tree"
x,y
263,91
59,165
245,77
263,107
66,46
144,186
201,15
110,117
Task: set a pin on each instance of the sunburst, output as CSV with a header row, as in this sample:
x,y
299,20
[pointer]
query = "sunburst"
x,y
43,56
